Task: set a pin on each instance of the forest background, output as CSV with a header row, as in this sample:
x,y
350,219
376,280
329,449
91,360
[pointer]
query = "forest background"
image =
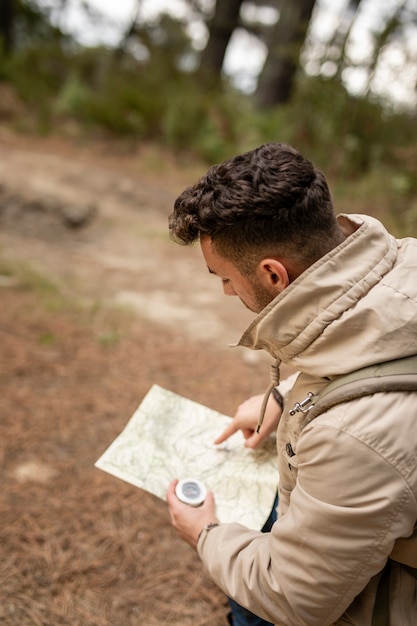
x,y
97,303
164,82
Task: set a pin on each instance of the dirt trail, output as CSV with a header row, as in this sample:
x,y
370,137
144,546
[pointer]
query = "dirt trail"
x,y
123,255
80,548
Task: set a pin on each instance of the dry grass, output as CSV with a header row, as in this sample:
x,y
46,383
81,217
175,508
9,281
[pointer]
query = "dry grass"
x,y
80,547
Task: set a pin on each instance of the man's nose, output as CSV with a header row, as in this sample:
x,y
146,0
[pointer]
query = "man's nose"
x,y
228,290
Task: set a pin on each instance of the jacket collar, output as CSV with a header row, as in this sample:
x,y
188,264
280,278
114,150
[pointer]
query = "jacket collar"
x,y
306,314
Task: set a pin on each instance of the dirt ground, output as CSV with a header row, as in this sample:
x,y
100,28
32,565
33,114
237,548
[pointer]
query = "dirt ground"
x,y
97,304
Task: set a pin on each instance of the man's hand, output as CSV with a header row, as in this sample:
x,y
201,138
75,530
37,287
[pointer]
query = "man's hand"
x,y
246,420
187,520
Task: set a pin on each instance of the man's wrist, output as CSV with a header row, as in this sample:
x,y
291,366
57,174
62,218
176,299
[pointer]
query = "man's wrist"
x,y
207,528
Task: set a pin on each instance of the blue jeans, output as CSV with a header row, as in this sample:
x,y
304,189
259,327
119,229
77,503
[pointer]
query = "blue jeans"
x,y
239,615
242,617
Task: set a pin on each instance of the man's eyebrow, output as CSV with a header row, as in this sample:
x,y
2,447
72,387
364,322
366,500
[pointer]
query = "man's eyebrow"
x,y
211,271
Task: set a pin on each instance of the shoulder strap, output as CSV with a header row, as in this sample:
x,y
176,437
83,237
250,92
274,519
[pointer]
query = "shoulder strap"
x,y
396,375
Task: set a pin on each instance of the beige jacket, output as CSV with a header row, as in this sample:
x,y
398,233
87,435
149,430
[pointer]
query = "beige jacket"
x,y
348,481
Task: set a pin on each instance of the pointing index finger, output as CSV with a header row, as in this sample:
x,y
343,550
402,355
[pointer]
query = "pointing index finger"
x,y
228,432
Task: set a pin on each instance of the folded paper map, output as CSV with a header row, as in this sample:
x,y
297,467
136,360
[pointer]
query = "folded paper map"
x,y
170,437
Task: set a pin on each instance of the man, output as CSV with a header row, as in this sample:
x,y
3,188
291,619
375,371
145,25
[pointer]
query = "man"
x,y
331,295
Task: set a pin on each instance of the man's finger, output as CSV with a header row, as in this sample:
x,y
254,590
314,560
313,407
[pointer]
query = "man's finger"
x,y
254,440
171,489
228,432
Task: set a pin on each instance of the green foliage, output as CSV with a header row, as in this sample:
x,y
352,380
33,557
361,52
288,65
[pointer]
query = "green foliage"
x,y
349,136
201,123
32,24
73,97
37,72
142,92
47,339
110,338
25,276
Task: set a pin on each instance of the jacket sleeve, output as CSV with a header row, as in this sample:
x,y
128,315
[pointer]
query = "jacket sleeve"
x,y
350,502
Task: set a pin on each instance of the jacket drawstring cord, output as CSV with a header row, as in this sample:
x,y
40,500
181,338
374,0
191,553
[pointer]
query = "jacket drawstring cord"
x,y
275,379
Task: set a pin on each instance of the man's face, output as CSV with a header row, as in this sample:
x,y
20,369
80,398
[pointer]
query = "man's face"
x,y
251,292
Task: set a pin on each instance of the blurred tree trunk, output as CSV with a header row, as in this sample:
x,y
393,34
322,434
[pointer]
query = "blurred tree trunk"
x,y
221,27
120,50
6,25
337,47
393,27
287,38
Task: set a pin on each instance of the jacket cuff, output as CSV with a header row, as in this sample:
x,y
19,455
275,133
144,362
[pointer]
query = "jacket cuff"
x,y
205,530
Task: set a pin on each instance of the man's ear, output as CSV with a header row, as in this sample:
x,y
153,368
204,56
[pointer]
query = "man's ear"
x,y
273,275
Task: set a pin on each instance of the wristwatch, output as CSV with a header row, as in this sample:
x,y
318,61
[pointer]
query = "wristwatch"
x,y
207,527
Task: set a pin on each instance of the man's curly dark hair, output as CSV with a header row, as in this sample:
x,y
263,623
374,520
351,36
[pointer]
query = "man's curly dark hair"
x,y
270,201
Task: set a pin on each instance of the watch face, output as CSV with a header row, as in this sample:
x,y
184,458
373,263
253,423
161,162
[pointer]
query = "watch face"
x,y
191,491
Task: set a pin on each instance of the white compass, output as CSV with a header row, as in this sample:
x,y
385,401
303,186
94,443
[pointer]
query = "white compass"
x,y
191,491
